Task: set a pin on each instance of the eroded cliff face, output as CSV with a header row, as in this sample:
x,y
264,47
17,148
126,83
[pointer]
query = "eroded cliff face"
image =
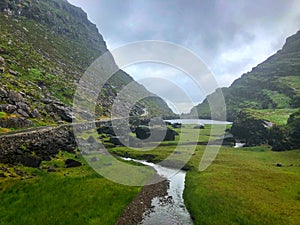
x,y
45,48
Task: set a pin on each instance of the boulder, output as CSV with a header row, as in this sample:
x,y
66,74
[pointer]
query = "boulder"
x,y
51,169
251,127
34,113
200,126
72,163
8,108
2,60
22,113
64,112
14,97
31,161
15,122
12,72
142,132
23,106
3,93
177,125
94,159
91,140
116,140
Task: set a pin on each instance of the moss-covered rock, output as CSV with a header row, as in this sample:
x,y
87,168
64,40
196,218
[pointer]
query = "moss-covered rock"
x,y
251,127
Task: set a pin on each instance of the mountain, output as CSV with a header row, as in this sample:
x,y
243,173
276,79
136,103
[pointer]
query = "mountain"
x,y
273,84
45,48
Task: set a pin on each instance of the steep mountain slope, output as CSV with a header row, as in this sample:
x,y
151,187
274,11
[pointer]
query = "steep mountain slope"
x,y
45,47
273,84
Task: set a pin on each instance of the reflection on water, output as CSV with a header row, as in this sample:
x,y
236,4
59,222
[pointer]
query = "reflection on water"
x,y
198,121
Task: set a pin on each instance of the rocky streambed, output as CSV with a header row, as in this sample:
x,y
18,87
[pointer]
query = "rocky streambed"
x,y
159,203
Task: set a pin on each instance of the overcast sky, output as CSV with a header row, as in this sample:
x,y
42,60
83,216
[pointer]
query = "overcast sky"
x,y
229,36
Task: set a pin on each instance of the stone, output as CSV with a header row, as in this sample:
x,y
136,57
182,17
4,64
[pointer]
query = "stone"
x,y
200,126
91,140
2,60
115,140
94,159
3,93
8,108
51,169
72,163
15,122
2,69
22,113
15,97
142,132
46,101
34,113
12,72
20,172
2,175
170,135
176,125
23,106
31,161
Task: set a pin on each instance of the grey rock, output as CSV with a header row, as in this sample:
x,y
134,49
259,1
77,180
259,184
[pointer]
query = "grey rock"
x,y
3,93
34,113
8,108
94,159
23,106
31,161
12,72
2,60
15,97
15,122
51,169
72,163
22,113
2,69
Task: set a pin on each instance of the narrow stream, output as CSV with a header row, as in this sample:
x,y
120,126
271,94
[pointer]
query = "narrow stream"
x,y
171,209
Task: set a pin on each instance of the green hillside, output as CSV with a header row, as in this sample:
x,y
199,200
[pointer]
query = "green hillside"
x,y
45,47
273,84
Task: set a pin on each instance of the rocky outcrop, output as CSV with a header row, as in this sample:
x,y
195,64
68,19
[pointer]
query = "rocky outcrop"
x,y
43,143
251,128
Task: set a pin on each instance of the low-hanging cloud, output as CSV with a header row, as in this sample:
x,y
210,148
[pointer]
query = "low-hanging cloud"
x,y
230,36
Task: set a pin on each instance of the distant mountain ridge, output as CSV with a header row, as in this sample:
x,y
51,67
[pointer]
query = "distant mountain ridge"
x,y
273,84
45,47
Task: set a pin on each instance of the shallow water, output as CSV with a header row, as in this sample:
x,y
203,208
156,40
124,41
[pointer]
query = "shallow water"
x,y
198,121
169,210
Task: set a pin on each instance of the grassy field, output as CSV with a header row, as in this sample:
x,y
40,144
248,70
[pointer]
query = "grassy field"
x,y
67,196
242,186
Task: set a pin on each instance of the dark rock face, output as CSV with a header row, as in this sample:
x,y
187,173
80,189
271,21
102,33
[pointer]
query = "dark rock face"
x,y
251,129
58,108
31,161
176,125
72,163
157,134
116,140
142,132
8,108
15,122
44,142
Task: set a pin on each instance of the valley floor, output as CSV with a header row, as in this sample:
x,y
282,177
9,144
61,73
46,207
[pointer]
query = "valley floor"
x,y
242,186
